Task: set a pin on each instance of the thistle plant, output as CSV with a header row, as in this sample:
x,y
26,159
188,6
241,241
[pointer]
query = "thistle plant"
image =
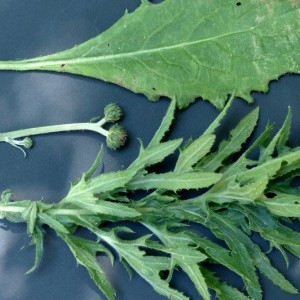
x,y
235,202
116,136
180,53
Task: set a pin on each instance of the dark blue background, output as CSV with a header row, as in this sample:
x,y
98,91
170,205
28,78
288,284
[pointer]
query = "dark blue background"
x,y
40,27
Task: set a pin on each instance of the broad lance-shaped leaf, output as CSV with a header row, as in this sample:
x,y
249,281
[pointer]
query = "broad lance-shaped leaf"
x,y
188,49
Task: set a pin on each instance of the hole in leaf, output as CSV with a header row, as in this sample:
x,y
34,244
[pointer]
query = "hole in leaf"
x,y
296,202
270,195
238,4
163,274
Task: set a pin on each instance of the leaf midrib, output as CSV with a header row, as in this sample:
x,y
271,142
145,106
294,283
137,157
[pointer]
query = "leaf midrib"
x,y
83,60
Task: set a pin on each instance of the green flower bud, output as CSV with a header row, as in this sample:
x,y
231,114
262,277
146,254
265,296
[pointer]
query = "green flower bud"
x,y
112,112
6,196
116,137
27,142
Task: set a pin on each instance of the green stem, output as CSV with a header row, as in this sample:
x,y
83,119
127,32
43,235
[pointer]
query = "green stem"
x,y
30,65
47,63
13,210
4,208
96,127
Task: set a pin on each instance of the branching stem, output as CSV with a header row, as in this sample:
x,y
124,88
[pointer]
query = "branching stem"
x,y
96,127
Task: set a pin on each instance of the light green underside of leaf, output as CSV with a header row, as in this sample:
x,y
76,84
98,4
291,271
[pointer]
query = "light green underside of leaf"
x,y
188,49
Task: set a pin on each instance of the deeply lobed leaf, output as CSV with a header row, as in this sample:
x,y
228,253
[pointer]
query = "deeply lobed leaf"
x,y
241,197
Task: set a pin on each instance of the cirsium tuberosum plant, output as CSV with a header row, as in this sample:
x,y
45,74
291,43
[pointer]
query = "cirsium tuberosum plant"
x,y
235,202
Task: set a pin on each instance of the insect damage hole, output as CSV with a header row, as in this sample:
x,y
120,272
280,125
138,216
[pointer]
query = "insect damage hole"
x,y
238,4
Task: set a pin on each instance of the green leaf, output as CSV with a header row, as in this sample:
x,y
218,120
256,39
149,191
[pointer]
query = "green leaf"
x,y
225,226
284,134
195,274
192,154
121,211
85,253
216,123
184,50
91,171
238,137
148,267
155,154
174,182
230,259
287,173
229,190
284,205
100,184
223,290
245,256
265,267
184,254
262,141
30,215
53,223
37,240
260,220
294,250
164,126
271,167
225,229
279,141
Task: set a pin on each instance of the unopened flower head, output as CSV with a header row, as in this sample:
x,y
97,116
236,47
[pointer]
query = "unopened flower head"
x,y
27,143
117,137
112,112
